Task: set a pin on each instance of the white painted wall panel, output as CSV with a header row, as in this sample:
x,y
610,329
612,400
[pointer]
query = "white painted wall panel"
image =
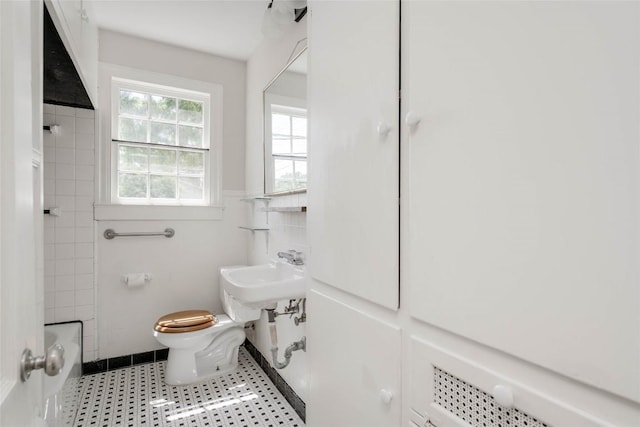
x,y
348,370
353,171
523,180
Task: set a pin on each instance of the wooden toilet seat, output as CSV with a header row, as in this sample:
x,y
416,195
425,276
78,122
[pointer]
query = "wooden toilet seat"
x,y
185,321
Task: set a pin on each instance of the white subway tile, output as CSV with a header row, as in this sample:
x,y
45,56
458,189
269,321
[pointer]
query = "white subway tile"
x,y
87,346
85,141
48,140
85,112
65,283
64,314
49,235
49,315
49,268
49,186
65,267
84,297
84,219
64,251
65,203
49,201
85,125
84,203
84,157
65,171
65,187
85,172
49,283
48,108
84,281
88,329
49,170
84,313
66,219
88,355
49,221
65,155
84,250
61,110
65,299
49,300
49,154
84,235
84,266
84,188
65,235
66,136
49,251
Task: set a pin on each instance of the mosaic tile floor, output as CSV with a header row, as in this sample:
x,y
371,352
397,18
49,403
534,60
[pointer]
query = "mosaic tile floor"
x,y
137,396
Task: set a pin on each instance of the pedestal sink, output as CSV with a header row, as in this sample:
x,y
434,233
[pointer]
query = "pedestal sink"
x,y
262,285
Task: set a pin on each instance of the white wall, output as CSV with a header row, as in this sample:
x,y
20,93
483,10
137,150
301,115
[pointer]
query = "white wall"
x,y
184,268
124,50
69,238
287,230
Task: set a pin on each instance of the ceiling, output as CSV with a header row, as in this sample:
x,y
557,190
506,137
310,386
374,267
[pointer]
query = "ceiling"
x,y
229,28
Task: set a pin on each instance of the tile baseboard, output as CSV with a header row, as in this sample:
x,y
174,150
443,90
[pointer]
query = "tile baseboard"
x,y
113,363
289,394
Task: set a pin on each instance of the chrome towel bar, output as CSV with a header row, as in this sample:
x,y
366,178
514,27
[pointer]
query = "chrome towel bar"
x,y
110,233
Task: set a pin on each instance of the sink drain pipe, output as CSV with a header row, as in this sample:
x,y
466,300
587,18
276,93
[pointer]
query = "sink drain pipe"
x,y
297,345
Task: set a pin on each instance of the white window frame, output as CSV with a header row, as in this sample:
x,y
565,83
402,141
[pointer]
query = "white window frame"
x,y
282,103
117,77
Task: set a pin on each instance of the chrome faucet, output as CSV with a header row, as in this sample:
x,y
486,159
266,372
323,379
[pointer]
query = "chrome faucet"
x,y
292,257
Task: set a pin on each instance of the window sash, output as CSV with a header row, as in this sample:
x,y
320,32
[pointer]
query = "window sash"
x,y
150,90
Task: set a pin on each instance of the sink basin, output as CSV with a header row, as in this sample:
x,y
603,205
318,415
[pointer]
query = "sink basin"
x,y
263,285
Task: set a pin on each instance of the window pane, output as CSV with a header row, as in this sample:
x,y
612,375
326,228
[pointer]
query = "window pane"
x,y
162,187
301,173
191,188
300,145
132,185
283,172
299,125
163,108
132,130
132,159
280,124
190,136
163,133
190,112
163,161
280,145
134,103
191,163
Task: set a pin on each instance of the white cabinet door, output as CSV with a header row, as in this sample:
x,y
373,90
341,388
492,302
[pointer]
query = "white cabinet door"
x,y
353,147
354,367
21,292
523,180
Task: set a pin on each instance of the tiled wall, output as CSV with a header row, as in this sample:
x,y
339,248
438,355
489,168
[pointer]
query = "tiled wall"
x,y
69,180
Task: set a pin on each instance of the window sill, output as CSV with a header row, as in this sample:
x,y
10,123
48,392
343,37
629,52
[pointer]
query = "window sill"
x,y
150,213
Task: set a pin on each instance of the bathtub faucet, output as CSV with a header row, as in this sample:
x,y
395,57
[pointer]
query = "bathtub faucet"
x,y
292,257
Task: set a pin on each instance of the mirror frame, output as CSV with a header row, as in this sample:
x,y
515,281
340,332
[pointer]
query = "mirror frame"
x,y
264,128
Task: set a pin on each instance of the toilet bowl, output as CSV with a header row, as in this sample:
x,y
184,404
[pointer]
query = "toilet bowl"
x,y
203,345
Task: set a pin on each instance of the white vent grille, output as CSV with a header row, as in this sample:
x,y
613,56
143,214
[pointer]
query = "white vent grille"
x,y
474,406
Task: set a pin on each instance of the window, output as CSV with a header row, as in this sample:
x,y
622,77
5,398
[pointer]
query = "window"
x,y
288,148
160,150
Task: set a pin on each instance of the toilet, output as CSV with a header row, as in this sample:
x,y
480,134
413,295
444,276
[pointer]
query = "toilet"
x,y
203,345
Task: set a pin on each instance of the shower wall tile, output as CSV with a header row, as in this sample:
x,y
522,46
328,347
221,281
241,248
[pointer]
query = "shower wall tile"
x,y
69,182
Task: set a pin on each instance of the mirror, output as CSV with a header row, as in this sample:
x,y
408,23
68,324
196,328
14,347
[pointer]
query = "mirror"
x,y
285,129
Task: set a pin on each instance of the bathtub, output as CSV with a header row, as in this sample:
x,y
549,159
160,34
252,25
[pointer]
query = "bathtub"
x,y
62,392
